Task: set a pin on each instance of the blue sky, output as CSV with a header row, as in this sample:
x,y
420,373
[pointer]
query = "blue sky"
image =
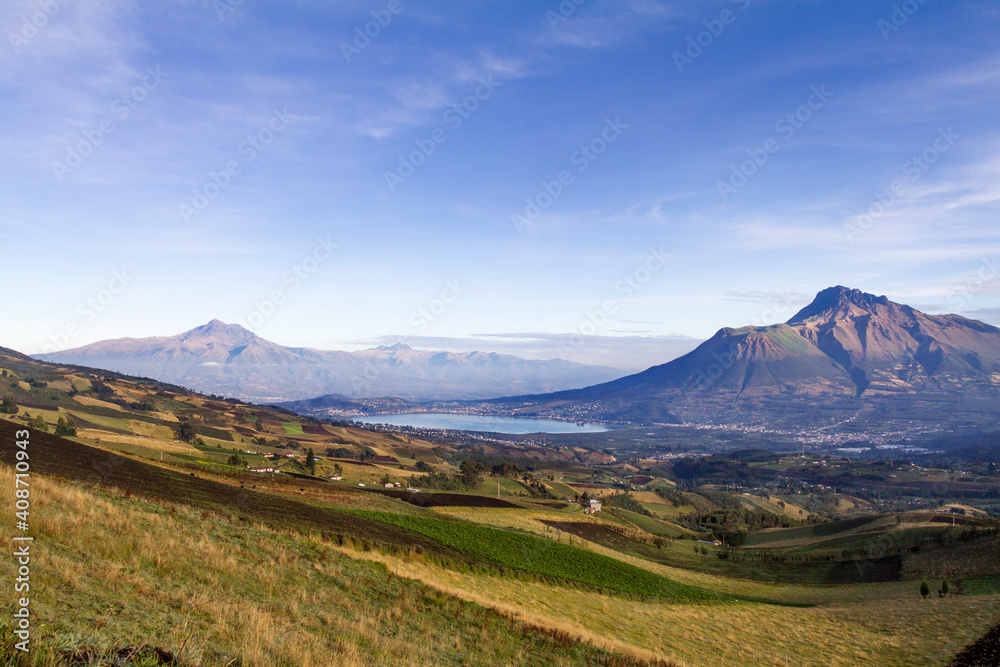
x,y
610,184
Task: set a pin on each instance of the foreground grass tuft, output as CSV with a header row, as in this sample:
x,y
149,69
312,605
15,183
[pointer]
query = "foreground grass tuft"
x,y
75,649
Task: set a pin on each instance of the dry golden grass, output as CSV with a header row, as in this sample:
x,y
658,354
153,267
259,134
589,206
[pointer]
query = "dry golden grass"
x,y
771,504
152,443
658,506
93,402
130,571
850,626
151,430
647,497
845,505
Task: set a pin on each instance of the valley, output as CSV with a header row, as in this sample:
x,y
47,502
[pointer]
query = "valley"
x,y
374,536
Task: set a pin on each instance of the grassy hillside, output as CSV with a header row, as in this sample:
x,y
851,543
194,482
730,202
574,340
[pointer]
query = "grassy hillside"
x,y
112,571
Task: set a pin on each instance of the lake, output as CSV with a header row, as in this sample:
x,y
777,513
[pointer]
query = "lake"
x,y
510,425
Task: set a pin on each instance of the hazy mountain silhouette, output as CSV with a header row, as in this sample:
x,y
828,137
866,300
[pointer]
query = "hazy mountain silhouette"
x,y
230,360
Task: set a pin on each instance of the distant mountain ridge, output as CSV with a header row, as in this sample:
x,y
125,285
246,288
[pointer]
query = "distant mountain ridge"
x,y
227,359
846,352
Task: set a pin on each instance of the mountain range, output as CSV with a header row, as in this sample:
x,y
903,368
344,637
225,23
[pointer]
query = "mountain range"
x,y
848,359
848,353
230,360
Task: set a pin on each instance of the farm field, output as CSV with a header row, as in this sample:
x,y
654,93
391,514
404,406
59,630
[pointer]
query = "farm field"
x,y
835,630
213,591
544,557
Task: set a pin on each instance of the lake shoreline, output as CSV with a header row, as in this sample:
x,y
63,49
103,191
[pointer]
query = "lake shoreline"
x,y
480,424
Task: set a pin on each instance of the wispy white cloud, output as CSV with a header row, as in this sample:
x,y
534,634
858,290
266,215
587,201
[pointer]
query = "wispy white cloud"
x,y
601,25
924,95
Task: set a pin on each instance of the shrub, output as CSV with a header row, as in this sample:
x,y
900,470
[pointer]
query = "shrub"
x,y
65,427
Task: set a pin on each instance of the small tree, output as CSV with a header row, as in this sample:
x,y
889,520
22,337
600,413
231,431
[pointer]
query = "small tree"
x,y
39,424
944,589
337,469
65,427
235,460
311,461
8,406
470,472
925,589
185,432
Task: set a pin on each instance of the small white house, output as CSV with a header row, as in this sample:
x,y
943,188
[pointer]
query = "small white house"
x,y
337,478
595,505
